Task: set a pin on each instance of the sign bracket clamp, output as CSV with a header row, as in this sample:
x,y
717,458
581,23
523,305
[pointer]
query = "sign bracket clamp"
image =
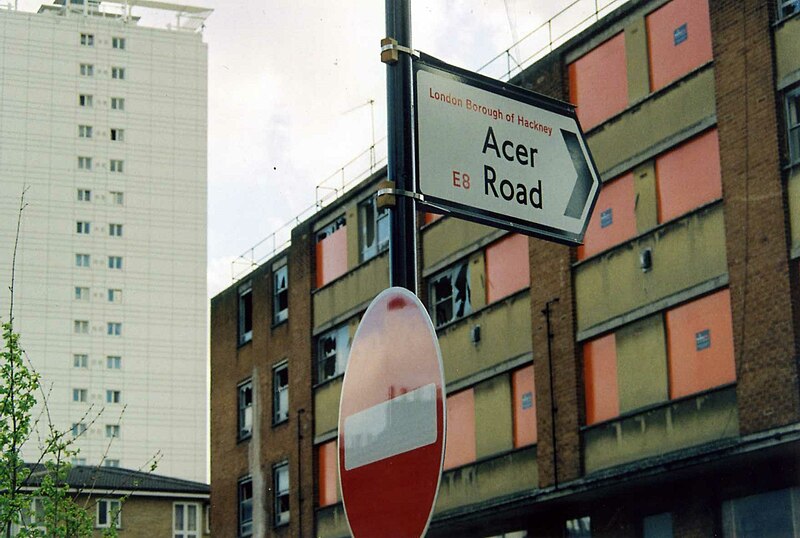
x,y
391,49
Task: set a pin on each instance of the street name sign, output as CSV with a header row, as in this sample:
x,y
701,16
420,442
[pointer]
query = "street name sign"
x,y
501,155
392,420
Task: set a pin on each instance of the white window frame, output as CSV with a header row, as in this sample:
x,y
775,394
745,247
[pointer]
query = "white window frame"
x,y
113,362
83,227
114,295
792,100
84,163
80,395
113,431
108,507
117,197
245,329
85,131
447,304
280,289
85,100
245,401
281,490
78,428
113,396
118,43
180,525
80,326
115,262
117,103
80,360
332,360
116,165
116,134
114,328
373,222
110,462
788,8
83,260
118,73
87,70
84,195
280,393
244,527
115,229
87,40
81,293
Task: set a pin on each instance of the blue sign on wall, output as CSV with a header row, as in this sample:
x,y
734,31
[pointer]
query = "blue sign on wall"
x,y
680,34
702,340
527,400
606,218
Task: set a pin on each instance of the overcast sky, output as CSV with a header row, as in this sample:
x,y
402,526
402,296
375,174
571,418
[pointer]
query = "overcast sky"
x,y
290,83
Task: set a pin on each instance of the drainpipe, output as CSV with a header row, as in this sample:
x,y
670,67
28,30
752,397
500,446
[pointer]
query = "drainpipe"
x,y
300,413
551,374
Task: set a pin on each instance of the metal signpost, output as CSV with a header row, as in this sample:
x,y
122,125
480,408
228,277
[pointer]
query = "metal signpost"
x,y
485,151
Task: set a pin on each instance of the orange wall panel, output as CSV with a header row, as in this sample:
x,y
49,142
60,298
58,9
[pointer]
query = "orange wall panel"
x,y
523,388
600,379
431,217
508,267
332,256
688,176
328,473
460,448
598,82
679,40
697,362
614,218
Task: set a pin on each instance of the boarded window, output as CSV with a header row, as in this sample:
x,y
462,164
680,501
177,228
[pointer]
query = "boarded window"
x,y
679,40
508,268
600,379
688,176
614,218
700,345
460,429
328,471
598,82
331,252
524,395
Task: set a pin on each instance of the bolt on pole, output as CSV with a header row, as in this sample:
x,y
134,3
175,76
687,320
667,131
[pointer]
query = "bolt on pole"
x,y
399,83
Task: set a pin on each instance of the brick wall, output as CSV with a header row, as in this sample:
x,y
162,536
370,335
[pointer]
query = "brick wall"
x,y
288,441
550,280
755,218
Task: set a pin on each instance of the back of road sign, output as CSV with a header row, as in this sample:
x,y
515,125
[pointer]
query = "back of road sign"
x,y
392,420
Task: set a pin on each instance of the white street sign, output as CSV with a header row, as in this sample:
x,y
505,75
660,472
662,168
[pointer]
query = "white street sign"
x,y
501,155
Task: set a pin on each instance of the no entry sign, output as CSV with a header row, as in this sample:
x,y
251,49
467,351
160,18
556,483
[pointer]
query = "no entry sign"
x,y
392,420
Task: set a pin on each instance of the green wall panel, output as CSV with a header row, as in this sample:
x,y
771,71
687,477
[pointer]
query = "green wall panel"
x,y
694,421
642,364
646,206
794,209
637,59
493,417
488,479
450,236
326,407
505,334
332,523
351,290
685,253
655,120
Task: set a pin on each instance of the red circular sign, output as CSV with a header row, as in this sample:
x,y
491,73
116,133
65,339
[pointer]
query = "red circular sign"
x,y
392,420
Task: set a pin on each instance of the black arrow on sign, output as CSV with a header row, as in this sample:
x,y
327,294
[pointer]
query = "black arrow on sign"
x,y
583,185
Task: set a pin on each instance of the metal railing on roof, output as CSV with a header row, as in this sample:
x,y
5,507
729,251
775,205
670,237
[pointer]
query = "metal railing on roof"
x,y
536,44
328,190
548,36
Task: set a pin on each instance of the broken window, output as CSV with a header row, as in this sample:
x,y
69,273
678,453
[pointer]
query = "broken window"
x,y
245,409
245,313
280,299
333,349
450,294
373,229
